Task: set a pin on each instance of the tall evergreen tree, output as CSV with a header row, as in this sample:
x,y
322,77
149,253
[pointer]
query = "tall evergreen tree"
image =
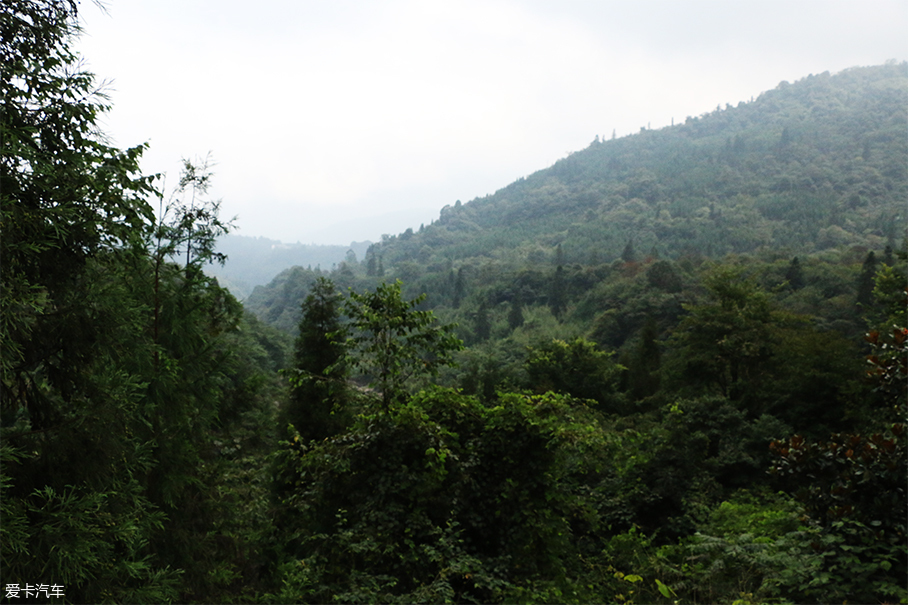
x,y
459,288
557,295
865,283
482,326
888,257
643,370
371,262
316,406
629,255
795,275
515,315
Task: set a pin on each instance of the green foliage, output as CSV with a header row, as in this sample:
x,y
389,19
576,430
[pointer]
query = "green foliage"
x,y
866,280
728,341
643,367
889,368
795,275
515,315
393,342
557,297
189,226
661,274
743,552
743,346
853,486
848,562
73,215
851,476
444,499
888,361
84,542
669,472
755,547
482,326
890,296
577,368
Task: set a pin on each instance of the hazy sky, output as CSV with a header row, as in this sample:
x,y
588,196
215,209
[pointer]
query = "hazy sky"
x,y
333,121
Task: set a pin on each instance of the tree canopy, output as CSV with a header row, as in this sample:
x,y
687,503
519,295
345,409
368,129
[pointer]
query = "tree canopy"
x,y
721,420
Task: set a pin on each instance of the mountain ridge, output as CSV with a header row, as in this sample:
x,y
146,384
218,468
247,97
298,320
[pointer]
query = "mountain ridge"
x,y
686,160
807,167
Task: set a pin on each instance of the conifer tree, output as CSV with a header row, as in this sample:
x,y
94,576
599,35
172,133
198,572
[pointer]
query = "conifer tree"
x,y
459,288
482,326
866,280
795,275
557,295
628,255
316,406
643,370
515,315
371,262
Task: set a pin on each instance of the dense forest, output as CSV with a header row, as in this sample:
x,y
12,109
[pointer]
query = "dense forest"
x,y
671,368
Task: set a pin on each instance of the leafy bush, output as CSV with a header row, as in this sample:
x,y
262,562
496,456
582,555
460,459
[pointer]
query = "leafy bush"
x,y
444,498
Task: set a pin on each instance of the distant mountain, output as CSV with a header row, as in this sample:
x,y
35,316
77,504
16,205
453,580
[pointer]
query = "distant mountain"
x,y
811,165
815,165
254,261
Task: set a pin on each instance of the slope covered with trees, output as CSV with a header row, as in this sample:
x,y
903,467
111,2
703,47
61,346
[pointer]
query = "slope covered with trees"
x,y
818,165
744,458
663,394
806,166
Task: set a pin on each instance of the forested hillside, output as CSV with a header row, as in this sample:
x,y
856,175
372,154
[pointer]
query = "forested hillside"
x,y
664,394
673,368
807,166
818,165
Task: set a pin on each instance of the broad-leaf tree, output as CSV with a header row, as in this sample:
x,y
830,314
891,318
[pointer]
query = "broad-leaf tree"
x,y
393,342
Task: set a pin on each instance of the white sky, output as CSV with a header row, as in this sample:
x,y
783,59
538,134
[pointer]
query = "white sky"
x,y
333,121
